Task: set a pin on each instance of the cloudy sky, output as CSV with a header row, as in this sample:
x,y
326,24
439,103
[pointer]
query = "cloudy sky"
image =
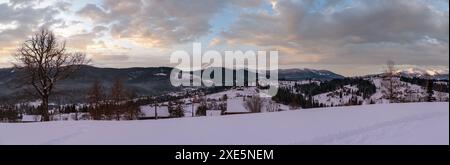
x,y
350,37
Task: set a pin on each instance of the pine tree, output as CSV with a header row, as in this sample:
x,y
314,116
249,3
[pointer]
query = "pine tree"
x,y
430,92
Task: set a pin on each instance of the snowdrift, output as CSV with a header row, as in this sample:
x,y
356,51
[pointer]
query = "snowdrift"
x,y
415,123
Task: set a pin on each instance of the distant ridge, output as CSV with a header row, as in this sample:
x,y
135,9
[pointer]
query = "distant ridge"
x,y
304,74
143,81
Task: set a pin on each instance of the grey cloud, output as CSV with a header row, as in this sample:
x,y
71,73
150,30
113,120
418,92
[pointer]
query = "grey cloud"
x,y
364,32
99,29
247,3
25,15
81,41
63,5
94,12
378,21
26,19
16,3
107,58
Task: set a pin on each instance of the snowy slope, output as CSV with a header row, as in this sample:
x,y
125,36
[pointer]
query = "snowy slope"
x,y
406,92
333,98
416,123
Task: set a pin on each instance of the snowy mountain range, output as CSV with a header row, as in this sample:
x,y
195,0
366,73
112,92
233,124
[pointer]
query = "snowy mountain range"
x,y
155,81
424,73
145,81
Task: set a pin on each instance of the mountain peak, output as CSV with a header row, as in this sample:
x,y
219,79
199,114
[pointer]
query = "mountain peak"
x,y
424,73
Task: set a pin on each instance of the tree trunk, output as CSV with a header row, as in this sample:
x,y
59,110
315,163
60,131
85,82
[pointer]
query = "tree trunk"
x,y
44,109
118,116
156,111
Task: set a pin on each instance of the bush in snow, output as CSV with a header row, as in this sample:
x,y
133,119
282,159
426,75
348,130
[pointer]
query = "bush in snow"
x,y
201,110
272,106
176,110
254,104
8,113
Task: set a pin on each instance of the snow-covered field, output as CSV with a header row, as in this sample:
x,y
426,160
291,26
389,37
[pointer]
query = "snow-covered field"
x,y
416,123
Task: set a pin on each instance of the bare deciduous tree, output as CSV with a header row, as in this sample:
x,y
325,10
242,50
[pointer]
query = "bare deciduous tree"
x,y
254,104
441,96
95,93
272,106
118,96
390,74
95,97
390,82
44,61
122,101
118,91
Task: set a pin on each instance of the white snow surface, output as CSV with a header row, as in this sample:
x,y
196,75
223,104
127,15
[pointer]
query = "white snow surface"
x,y
236,105
31,118
149,111
414,123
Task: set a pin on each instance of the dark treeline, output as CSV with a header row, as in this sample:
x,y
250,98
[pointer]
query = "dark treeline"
x,y
187,94
9,113
118,105
301,95
287,97
365,87
426,83
15,113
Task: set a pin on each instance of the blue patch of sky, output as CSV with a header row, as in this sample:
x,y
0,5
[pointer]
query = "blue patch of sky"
x,y
439,4
267,7
321,5
77,5
219,23
317,6
222,21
